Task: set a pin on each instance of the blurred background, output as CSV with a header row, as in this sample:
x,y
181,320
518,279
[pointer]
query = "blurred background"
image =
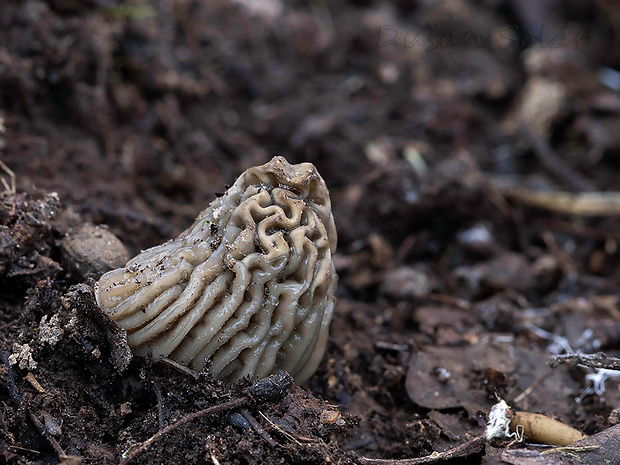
x,y
466,144
137,112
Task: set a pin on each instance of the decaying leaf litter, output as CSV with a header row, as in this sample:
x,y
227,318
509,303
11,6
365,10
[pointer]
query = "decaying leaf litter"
x,y
473,191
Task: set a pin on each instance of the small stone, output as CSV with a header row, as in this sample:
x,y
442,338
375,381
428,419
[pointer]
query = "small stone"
x,y
539,104
507,271
238,421
477,239
405,282
52,425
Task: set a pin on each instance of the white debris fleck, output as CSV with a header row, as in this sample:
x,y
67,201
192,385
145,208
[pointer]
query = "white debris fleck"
x,y
72,324
125,409
22,356
268,9
50,331
498,426
443,374
52,424
559,344
478,234
598,379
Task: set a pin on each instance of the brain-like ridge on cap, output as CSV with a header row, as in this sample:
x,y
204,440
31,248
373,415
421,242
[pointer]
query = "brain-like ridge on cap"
x,y
246,290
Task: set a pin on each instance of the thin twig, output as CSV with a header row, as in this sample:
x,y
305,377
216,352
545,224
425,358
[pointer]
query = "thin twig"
x,y
8,379
554,164
32,451
160,400
9,191
575,229
463,450
449,300
179,367
521,228
567,203
598,360
11,174
531,387
240,402
258,428
34,383
584,448
43,430
10,323
280,430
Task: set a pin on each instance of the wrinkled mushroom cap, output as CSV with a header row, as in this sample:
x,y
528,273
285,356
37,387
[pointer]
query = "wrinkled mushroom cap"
x,y
248,289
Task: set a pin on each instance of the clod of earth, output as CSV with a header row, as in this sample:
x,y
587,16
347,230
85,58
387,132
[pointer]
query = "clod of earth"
x,y
93,249
248,288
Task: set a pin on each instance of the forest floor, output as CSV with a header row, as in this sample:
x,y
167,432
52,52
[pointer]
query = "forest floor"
x,y
465,150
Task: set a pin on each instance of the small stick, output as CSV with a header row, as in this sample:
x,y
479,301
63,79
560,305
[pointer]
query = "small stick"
x,y
598,360
34,383
10,190
277,428
470,447
8,379
11,174
178,366
553,163
567,203
521,228
258,428
449,300
240,402
531,387
43,430
10,323
160,400
584,448
394,347
32,451
575,229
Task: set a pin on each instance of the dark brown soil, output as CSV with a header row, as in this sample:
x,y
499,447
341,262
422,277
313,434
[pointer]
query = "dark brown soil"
x,y
453,288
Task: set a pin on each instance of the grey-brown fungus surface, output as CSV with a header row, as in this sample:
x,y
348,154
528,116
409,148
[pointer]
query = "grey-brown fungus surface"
x,y
248,288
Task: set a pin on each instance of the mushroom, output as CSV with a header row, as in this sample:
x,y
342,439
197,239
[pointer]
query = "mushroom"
x,y
248,288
